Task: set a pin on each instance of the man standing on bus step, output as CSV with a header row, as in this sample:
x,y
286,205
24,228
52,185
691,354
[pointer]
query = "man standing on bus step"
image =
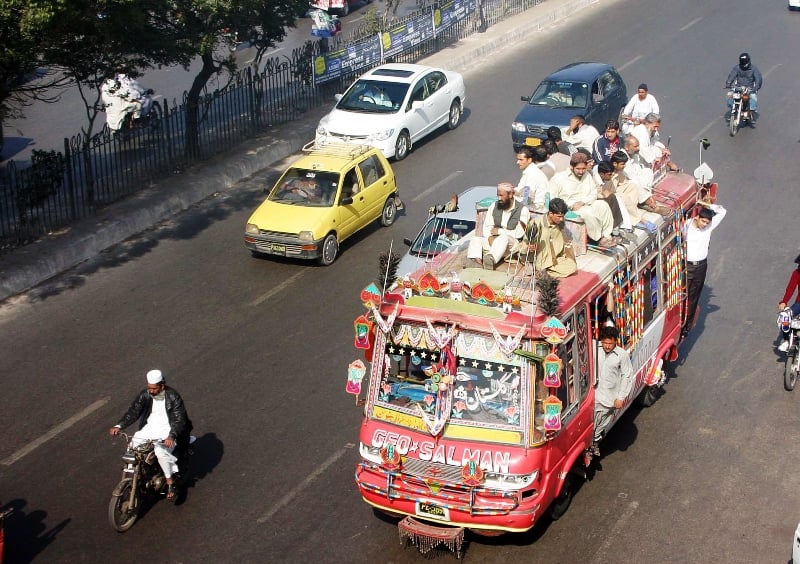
x,y
698,238
614,383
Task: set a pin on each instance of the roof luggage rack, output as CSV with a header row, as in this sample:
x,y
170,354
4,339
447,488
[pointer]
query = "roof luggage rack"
x,y
336,149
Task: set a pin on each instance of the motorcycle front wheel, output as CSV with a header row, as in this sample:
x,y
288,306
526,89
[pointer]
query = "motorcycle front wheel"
x,y
791,371
120,514
734,123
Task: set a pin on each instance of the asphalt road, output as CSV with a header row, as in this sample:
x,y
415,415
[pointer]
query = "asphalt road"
x,y
259,348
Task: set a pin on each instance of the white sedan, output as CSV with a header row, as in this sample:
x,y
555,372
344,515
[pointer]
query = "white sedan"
x,y
794,4
393,106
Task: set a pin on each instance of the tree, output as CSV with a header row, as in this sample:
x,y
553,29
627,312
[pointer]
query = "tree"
x,y
201,24
23,25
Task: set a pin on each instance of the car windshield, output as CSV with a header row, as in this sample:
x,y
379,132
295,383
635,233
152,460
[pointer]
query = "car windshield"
x,y
561,94
302,187
374,96
439,234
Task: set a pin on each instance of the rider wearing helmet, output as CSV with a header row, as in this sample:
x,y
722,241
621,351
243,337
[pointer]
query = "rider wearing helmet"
x,y
745,74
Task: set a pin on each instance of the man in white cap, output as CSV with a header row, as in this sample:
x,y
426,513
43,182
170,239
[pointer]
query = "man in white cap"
x,y
162,417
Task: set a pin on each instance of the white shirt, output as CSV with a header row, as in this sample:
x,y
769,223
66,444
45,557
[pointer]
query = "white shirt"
x,y
584,137
637,108
649,149
158,420
698,240
516,233
536,180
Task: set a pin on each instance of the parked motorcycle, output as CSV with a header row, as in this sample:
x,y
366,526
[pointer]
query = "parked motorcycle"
x,y
141,477
790,325
740,108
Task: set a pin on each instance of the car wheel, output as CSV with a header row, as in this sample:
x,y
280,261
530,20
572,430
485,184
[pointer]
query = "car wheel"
x,y
389,212
330,248
402,146
455,115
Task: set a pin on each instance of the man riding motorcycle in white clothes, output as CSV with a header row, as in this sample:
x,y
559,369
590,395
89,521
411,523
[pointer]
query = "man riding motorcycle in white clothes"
x,y
123,95
745,74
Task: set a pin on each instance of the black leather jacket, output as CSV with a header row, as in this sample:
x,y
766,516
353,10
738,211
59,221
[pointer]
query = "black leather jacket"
x,y
179,423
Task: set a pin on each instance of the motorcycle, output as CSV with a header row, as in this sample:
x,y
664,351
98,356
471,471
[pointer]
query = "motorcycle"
x,y
121,104
323,24
791,325
141,477
740,108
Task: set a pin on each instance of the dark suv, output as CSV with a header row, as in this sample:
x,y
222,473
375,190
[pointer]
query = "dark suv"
x,y
595,90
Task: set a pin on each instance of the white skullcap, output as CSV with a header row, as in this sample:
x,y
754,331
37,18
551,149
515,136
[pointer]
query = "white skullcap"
x,y
154,377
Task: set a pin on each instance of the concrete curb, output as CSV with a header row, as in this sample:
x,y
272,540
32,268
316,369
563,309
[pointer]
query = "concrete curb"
x,y
29,266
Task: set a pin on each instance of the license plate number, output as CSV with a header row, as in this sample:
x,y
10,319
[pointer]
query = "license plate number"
x,y
432,511
533,141
278,249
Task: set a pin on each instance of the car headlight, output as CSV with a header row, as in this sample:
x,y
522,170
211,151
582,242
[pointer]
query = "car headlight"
x,y
382,135
251,229
322,130
509,481
306,236
518,126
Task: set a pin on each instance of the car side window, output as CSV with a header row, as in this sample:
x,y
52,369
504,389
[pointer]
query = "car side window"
x,y
418,94
370,170
435,80
597,91
351,184
608,83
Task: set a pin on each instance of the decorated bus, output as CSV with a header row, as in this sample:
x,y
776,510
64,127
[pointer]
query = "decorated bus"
x,y
478,386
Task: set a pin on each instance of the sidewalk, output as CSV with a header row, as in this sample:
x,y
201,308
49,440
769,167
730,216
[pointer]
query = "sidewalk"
x,y
29,266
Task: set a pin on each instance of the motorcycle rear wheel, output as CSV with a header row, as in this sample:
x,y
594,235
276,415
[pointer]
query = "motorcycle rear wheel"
x,y
120,515
791,371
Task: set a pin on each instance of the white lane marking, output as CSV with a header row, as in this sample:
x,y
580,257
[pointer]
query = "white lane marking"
x,y
629,63
33,445
766,74
442,182
600,555
285,500
275,289
690,24
706,128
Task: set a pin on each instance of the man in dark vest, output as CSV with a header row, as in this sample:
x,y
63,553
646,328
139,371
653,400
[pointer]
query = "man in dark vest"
x,y
503,227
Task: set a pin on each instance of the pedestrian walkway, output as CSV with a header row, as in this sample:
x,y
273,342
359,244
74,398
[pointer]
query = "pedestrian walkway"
x,y
29,266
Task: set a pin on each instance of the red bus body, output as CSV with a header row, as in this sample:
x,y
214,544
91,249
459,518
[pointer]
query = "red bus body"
x,y
492,467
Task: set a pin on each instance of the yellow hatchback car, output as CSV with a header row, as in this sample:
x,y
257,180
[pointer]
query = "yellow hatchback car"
x,y
323,198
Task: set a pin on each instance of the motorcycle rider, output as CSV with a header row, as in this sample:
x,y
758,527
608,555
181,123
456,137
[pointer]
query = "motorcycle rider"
x,y
792,288
746,74
123,95
162,416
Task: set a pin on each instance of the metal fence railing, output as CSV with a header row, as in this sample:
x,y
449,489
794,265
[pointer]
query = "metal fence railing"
x,y
57,189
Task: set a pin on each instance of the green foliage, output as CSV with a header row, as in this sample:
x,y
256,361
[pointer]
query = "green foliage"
x,y
40,181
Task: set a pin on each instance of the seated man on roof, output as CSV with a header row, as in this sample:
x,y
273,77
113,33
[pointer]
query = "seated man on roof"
x,y
579,191
545,239
503,227
579,133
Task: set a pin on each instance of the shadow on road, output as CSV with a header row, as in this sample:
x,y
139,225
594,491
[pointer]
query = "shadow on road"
x,y
26,534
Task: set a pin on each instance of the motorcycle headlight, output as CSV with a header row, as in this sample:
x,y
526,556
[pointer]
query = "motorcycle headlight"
x,y
518,126
796,323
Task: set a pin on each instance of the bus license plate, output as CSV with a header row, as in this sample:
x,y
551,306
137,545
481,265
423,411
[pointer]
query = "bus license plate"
x,y
533,141
432,511
278,249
